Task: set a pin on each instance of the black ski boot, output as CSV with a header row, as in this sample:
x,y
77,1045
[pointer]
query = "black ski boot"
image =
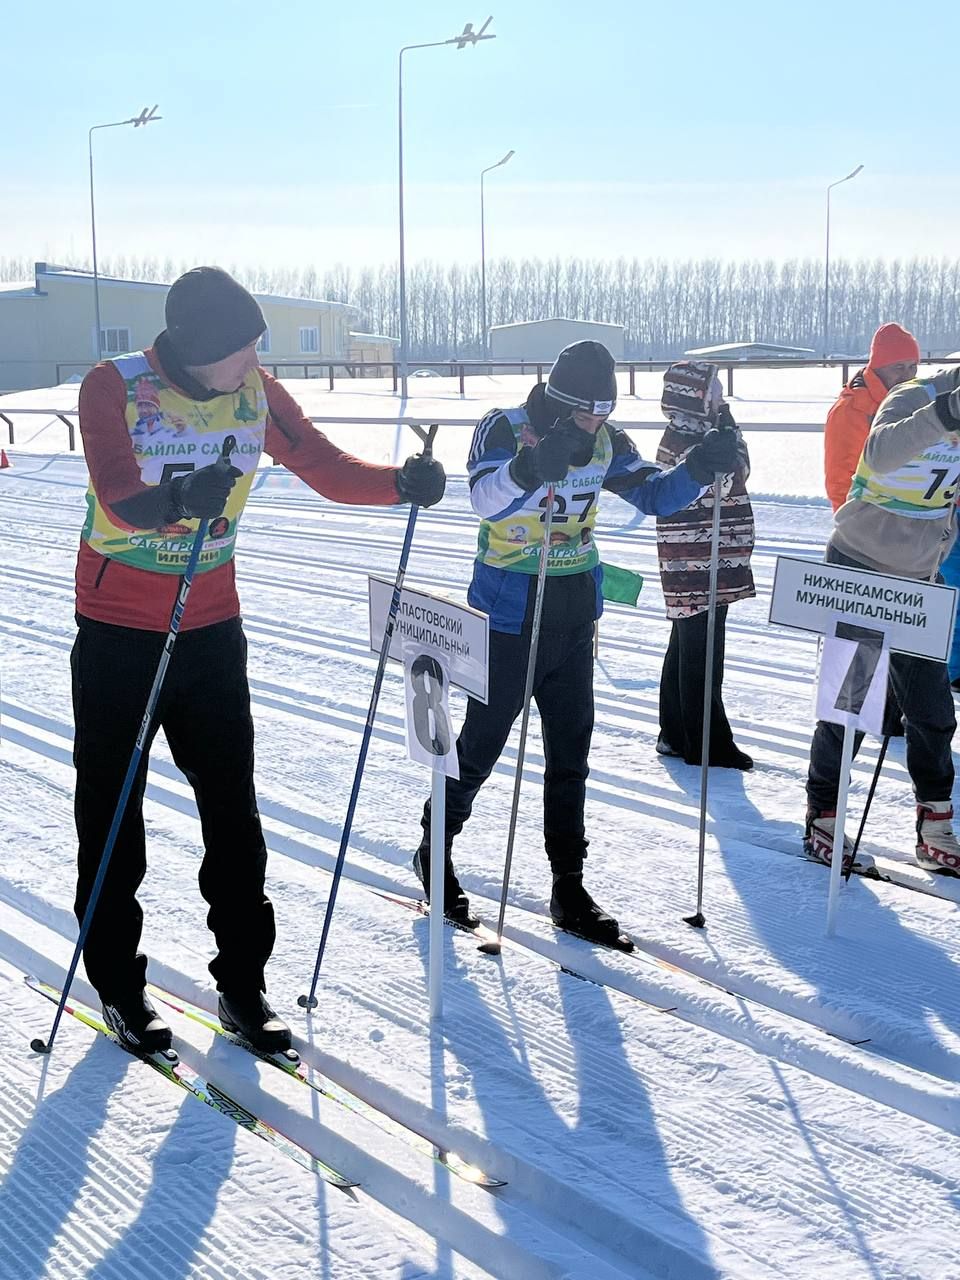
x,y
136,1024
573,910
456,904
248,1015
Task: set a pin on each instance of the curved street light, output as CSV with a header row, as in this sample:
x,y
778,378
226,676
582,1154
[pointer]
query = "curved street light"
x,y
826,271
483,255
467,38
147,116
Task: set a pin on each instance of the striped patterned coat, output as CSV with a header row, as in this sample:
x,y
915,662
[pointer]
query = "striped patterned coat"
x,y
683,539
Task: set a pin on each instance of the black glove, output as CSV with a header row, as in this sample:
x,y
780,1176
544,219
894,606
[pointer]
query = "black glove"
x,y
549,461
715,456
203,494
421,480
725,418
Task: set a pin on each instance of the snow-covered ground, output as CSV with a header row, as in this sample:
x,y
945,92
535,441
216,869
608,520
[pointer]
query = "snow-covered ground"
x,y
749,1101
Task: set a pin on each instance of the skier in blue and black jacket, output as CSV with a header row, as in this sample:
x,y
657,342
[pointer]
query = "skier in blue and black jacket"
x,y
560,436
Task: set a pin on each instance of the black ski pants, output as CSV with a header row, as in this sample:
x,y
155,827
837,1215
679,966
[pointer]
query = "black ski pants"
x,y
563,691
204,710
920,689
681,689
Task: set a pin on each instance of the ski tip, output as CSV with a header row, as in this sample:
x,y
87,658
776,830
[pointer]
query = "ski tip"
x,y
39,1046
307,1002
696,922
491,948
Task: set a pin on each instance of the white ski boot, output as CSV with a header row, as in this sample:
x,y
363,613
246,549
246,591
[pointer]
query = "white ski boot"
x,y
937,846
819,835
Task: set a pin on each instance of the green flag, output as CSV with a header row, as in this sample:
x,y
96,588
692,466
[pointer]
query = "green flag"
x,y
620,585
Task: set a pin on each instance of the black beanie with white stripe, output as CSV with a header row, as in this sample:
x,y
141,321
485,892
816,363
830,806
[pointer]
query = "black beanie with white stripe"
x,y
584,377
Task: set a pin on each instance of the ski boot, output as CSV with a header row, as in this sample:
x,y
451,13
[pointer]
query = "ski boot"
x,y
937,846
247,1014
136,1024
818,836
573,910
456,904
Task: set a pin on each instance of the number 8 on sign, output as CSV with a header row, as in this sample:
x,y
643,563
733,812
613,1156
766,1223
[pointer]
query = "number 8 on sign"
x,y
430,722
427,685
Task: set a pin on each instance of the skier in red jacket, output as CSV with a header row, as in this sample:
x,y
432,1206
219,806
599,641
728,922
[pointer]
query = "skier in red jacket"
x,y
153,426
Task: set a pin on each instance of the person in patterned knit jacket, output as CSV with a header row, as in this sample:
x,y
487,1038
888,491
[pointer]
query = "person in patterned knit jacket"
x,y
683,548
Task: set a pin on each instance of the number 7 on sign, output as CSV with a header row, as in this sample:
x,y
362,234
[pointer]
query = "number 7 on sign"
x,y
863,665
854,668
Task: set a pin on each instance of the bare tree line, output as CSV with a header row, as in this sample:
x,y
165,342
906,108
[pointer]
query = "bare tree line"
x,y
665,307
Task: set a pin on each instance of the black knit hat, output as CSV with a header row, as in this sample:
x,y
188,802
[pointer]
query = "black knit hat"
x,y
210,316
584,377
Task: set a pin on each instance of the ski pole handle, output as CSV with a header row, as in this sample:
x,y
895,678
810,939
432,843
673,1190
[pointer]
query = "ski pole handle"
x,y
427,437
228,447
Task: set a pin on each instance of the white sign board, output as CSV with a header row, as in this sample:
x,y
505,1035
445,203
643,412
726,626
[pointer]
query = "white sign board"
x,y
455,631
917,616
430,738
854,668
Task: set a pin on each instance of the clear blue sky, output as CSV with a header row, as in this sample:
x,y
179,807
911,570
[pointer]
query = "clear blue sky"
x,y
648,129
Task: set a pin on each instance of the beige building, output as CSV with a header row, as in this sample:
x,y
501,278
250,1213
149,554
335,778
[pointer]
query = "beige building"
x,y
375,350
48,328
541,340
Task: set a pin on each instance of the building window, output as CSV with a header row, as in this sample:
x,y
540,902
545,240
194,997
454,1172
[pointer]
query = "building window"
x,y
263,343
310,340
115,341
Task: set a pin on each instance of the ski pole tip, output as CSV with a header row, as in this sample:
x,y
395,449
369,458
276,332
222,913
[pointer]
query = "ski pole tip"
x,y
696,922
490,948
39,1046
307,1002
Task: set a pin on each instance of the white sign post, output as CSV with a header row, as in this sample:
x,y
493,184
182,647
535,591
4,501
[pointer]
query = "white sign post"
x,y
863,616
854,670
440,643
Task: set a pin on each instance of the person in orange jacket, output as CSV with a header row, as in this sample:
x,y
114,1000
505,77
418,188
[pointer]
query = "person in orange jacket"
x,y
894,356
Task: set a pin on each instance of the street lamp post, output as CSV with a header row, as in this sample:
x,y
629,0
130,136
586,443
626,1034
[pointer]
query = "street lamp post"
x,y
826,270
146,116
483,256
466,37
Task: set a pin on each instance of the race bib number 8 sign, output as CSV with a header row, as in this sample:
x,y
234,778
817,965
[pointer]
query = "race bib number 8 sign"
x,y
430,738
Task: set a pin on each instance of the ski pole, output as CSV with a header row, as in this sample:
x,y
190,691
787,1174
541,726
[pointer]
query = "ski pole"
x,y
310,1001
698,920
494,948
866,808
38,1045
879,765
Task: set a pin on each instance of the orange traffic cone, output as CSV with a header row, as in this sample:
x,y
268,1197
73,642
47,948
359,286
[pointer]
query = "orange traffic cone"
x,y
4,460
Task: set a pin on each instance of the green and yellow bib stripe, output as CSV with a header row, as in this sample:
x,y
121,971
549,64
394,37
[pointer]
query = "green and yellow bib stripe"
x,y
515,540
922,489
171,435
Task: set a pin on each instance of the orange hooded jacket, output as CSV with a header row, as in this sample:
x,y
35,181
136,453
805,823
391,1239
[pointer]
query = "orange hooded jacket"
x,y
846,430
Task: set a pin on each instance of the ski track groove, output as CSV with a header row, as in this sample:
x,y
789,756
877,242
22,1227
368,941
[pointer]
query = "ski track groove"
x,y
100,1174
618,791
591,1061
620,707
781,1007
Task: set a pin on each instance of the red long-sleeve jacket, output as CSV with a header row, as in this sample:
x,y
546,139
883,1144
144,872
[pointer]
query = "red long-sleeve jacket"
x,y
109,590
